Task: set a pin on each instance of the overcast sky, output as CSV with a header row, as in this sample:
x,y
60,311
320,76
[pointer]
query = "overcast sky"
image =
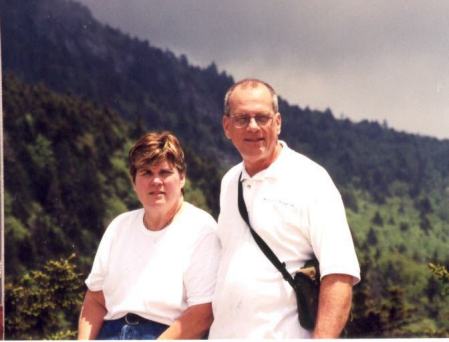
x,y
376,60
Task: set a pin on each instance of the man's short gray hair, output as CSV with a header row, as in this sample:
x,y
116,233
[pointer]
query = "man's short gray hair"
x,y
254,83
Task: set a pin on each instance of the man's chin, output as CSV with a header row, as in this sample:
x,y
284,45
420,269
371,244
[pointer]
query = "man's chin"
x,y
253,156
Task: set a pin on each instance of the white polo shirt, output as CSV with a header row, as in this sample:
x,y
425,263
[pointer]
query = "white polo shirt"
x,y
156,274
296,208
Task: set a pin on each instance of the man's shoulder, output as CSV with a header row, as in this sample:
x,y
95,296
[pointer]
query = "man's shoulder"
x,y
297,160
233,173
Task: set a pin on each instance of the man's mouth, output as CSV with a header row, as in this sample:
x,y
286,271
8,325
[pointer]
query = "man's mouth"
x,y
253,140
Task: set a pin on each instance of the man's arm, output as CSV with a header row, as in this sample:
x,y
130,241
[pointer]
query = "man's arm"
x,y
334,305
192,324
92,315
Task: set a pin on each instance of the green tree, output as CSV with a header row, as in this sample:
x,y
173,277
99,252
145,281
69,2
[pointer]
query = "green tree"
x,y
44,303
371,238
441,272
437,291
377,219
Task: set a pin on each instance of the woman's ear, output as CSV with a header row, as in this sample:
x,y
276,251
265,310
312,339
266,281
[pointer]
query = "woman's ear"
x,y
182,176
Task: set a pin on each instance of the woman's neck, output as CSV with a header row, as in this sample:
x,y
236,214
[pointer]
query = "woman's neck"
x,y
155,220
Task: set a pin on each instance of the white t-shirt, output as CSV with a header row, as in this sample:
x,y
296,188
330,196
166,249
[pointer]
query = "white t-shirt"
x,y
295,207
156,274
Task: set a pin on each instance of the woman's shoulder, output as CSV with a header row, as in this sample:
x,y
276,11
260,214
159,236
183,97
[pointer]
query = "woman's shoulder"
x,y
198,228
132,214
197,217
196,213
125,219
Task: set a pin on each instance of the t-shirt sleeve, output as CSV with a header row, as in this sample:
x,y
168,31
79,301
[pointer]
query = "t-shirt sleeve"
x,y
200,276
99,269
330,234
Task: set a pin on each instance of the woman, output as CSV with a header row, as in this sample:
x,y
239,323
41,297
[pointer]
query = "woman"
x,y
154,272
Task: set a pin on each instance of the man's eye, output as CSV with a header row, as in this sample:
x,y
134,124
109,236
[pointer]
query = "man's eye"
x,y
242,119
263,119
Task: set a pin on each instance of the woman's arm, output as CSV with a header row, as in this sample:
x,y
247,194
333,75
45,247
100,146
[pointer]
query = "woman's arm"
x,y
92,315
192,324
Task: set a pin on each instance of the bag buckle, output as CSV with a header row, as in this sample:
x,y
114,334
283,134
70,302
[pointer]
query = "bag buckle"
x,y
309,272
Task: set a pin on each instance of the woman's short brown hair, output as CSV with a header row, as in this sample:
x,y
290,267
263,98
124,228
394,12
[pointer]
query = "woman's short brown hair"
x,y
154,148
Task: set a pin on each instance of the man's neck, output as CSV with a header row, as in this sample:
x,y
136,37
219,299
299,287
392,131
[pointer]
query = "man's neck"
x,y
255,167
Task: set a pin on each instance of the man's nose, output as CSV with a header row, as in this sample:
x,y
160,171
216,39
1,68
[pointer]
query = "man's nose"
x,y
253,124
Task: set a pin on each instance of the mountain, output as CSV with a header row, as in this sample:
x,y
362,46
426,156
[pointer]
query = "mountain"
x,y
61,44
77,93
58,42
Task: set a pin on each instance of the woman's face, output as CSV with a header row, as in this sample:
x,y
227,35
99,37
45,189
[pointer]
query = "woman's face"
x,y
158,186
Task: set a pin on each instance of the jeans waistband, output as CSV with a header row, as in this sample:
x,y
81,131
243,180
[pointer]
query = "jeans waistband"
x,y
133,319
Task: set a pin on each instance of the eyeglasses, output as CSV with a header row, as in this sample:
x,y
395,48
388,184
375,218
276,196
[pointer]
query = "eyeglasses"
x,y
241,121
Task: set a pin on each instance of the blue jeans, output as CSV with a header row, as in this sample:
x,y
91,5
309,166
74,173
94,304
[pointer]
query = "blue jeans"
x,y
121,329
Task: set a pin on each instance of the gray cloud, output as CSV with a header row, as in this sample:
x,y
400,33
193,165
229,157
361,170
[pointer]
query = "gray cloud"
x,y
379,60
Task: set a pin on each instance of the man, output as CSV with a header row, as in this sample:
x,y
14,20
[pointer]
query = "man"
x,y
296,209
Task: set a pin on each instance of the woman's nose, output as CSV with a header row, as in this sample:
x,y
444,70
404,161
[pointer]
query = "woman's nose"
x,y
156,180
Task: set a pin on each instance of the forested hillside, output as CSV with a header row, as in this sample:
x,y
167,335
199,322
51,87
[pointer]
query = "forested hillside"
x,y
77,93
66,178
66,173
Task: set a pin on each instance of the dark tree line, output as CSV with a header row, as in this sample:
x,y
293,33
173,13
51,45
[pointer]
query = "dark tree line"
x,y
78,93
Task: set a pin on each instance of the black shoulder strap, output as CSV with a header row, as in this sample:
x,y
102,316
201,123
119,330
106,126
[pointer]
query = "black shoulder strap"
x,y
260,242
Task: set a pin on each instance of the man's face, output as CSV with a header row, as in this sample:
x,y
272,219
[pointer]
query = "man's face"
x,y
257,143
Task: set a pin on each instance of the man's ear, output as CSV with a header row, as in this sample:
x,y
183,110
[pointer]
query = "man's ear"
x,y
226,121
278,121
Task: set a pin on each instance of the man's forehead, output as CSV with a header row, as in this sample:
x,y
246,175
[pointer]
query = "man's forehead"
x,y
242,96
250,86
